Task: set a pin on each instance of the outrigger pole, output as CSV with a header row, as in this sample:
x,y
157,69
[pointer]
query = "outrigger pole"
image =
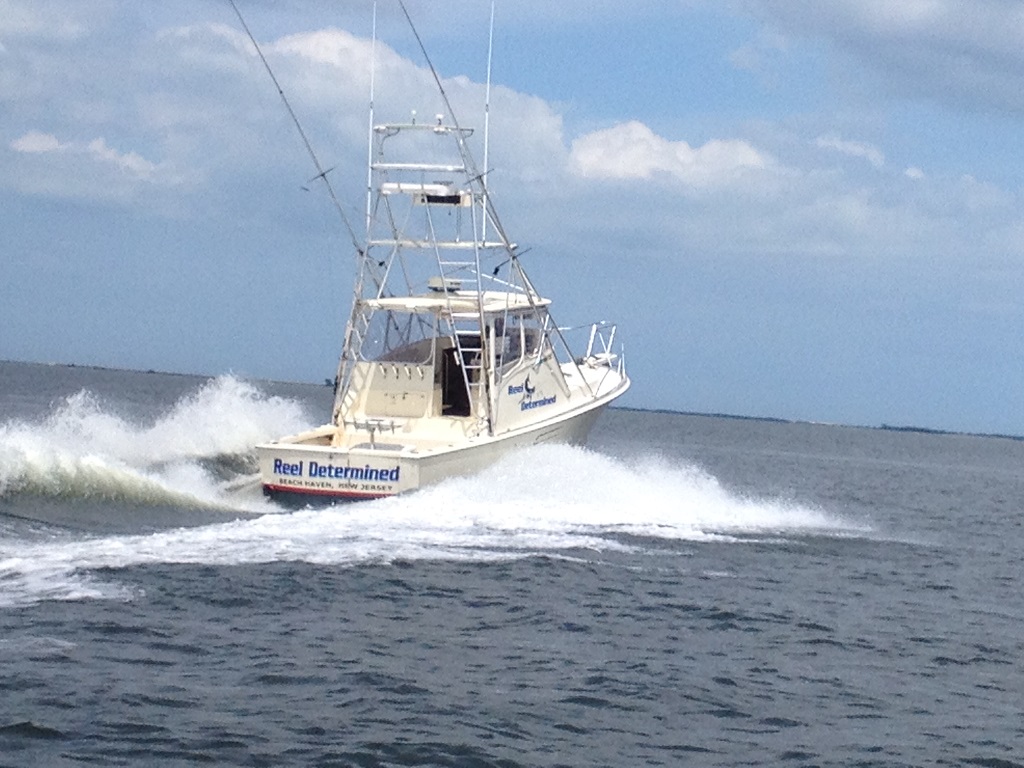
x,y
487,116
320,172
369,128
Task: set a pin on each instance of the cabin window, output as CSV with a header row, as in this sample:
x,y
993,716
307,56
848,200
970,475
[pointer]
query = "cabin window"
x,y
517,337
401,337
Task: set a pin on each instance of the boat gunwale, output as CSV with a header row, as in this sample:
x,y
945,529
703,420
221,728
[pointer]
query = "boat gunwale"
x,y
412,452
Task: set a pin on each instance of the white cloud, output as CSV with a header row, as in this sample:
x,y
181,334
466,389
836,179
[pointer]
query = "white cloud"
x,y
979,196
41,164
946,50
43,21
760,57
132,162
633,151
994,26
37,143
853,148
332,46
326,74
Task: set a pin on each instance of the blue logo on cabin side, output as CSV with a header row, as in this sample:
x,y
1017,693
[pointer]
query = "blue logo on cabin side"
x,y
337,473
530,403
526,390
525,387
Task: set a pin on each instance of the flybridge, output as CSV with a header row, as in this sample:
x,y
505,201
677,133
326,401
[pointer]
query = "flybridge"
x,y
429,194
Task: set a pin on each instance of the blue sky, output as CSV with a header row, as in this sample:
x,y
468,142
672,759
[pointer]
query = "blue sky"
x,y
802,210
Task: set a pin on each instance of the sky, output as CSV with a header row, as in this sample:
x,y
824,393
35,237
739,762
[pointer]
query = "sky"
x,y
798,210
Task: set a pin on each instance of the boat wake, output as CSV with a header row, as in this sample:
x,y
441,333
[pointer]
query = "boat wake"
x,y
198,454
556,501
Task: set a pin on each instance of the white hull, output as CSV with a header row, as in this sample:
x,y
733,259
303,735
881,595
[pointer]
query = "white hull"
x,y
301,469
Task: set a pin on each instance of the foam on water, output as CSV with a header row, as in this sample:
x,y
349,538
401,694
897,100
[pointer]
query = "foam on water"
x,y
84,450
549,500
575,488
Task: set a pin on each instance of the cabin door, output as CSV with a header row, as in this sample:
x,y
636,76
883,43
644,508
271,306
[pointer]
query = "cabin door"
x,y
454,395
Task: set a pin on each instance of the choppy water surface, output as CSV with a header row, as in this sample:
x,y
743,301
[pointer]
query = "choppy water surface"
x,y
689,590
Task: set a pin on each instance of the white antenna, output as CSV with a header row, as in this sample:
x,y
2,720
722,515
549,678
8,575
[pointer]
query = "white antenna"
x,y
369,127
487,121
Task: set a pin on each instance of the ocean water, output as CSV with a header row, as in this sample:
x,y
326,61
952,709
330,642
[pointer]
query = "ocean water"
x,y
687,590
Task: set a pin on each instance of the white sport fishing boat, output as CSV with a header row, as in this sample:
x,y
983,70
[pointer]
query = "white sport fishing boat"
x,y
450,358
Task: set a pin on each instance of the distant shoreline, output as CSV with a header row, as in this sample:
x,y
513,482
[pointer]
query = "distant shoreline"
x,y
778,420
711,415
112,369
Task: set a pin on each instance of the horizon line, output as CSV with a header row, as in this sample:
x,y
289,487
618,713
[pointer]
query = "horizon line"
x,y
704,414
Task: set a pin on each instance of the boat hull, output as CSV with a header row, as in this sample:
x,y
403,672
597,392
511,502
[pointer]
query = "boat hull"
x,y
300,472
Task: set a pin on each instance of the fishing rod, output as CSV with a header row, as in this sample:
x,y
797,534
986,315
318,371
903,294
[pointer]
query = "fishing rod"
x,y
487,115
320,172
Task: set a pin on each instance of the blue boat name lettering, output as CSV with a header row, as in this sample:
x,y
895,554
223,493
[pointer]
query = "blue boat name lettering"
x,y
538,403
284,468
354,473
523,389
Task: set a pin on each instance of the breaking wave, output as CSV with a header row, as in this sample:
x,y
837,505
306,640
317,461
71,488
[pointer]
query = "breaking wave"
x,y
556,501
196,454
84,459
